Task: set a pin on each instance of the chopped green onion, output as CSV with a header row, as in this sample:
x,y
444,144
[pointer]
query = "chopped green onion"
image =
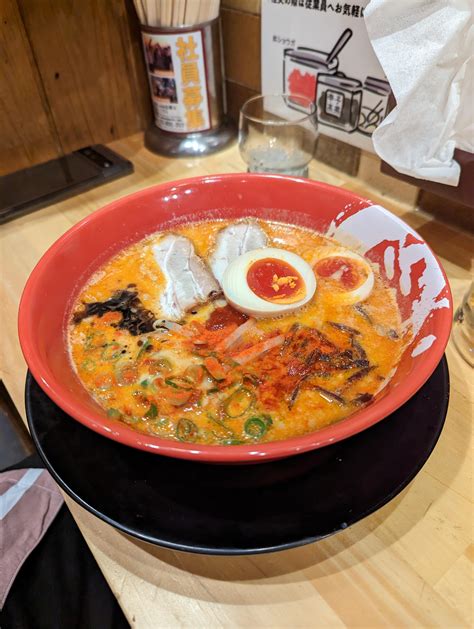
x,y
251,378
130,419
171,383
111,351
194,373
149,384
113,413
178,382
164,364
126,373
184,382
88,365
88,342
146,344
239,402
219,422
255,427
177,397
186,430
152,412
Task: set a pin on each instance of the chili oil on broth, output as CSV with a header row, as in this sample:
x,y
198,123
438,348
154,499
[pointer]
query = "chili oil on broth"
x,y
165,384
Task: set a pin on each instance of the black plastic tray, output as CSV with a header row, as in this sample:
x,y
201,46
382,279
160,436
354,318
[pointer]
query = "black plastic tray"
x,y
240,509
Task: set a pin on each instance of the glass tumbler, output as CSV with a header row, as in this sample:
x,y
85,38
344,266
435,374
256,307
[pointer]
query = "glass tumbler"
x,y
277,137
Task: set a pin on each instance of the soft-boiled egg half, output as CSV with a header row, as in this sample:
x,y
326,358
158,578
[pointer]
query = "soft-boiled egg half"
x,y
346,274
268,282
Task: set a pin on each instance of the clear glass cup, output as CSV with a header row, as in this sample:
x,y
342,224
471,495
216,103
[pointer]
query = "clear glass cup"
x,y
277,134
463,327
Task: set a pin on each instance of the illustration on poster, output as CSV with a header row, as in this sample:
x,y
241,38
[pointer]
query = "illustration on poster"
x,y
342,102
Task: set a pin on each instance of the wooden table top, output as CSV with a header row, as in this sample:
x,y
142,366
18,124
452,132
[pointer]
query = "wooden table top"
x,y
410,564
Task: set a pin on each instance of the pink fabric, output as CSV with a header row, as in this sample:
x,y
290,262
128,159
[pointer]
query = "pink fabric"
x,y
29,502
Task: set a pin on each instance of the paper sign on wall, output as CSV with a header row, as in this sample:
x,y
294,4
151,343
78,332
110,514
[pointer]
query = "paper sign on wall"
x,y
320,49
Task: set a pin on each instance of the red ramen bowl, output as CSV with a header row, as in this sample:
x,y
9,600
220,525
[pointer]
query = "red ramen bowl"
x,y
405,261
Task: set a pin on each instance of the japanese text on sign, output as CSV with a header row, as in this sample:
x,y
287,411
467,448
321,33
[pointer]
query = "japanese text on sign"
x,y
190,80
352,10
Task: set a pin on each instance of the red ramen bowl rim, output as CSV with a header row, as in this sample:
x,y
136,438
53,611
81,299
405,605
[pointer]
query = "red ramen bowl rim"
x,y
252,453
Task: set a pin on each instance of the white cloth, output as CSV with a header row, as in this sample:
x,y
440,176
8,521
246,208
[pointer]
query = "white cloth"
x,y
425,48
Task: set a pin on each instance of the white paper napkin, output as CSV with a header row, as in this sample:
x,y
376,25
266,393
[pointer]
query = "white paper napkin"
x,y
425,48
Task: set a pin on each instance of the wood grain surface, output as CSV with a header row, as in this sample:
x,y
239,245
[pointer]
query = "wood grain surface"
x,y
93,74
71,74
26,132
242,54
410,564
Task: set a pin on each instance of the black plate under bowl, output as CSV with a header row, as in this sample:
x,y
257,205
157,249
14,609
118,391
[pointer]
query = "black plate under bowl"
x,y
240,509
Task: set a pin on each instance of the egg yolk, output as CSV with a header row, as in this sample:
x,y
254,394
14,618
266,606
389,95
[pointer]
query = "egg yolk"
x,y
276,281
345,273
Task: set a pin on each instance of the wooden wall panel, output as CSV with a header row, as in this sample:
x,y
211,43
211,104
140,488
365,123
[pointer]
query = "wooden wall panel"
x,y
90,63
241,37
26,133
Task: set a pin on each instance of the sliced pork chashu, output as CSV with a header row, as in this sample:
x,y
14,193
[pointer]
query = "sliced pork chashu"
x,y
233,241
188,279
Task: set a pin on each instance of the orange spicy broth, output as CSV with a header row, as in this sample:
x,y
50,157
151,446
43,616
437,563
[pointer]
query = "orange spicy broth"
x,y
185,384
